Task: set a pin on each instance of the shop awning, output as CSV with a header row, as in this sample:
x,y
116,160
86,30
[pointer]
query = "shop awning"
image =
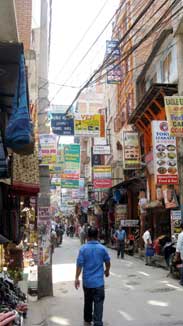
x,y
151,105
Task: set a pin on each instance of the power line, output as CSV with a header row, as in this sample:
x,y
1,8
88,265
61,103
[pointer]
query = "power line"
x,y
107,58
80,41
92,45
128,53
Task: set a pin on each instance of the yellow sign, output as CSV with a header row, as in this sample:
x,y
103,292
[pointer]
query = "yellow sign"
x,y
89,125
174,114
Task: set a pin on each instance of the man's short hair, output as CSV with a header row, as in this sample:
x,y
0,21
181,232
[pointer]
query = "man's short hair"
x,y
92,232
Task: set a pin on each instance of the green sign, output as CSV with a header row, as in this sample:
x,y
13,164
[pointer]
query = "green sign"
x,y
70,184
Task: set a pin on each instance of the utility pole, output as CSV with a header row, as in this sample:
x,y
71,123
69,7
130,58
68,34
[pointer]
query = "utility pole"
x,y
45,287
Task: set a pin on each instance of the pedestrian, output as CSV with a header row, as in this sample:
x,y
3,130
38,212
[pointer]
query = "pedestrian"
x,y
91,259
148,244
179,252
120,237
82,234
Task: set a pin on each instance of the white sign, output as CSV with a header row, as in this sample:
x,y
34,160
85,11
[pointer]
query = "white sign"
x,y
100,141
130,223
164,154
99,149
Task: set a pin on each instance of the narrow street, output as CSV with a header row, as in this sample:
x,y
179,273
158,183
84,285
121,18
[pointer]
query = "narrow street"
x,y
135,294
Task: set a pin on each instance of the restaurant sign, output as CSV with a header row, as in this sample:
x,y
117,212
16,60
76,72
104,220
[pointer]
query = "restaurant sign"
x,y
174,114
164,153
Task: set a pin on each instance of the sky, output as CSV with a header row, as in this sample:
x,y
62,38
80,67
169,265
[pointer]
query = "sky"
x,y
71,20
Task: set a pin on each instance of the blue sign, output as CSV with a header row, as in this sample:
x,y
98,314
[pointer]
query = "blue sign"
x,y
62,125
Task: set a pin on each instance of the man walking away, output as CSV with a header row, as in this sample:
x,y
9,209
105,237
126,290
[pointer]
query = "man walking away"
x,y
147,243
179,251
120,236
92,257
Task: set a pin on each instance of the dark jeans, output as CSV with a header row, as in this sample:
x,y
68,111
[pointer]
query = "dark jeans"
x,y
94,296
121,248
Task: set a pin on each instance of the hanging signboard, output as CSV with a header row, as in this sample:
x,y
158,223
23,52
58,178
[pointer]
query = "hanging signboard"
x,y
129,223
71,170
175,222
89,125
48,148
100,141
102,184
100,149
102,172
113,69
131,150
69,184
174,114
62,125
121,212
164,153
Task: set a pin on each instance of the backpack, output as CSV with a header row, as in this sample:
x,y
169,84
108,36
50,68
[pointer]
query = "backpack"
x,y
19,131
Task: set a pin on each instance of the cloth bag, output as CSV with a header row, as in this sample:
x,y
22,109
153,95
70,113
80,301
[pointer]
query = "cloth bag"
x,y
19,134
150,251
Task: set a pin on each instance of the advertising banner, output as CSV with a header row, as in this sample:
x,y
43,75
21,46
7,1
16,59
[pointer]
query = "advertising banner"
x,y
174,114
89,125
175,222
48,148
170,198
102,184
102,172
62,125
113,69
164,153
100,149
71,169
131,150
121,212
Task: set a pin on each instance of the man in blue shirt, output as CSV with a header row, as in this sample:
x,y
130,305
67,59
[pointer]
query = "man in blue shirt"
x,y
91,259
120,236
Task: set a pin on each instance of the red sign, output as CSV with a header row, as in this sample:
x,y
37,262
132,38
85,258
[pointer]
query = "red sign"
x,y
102,183
167,179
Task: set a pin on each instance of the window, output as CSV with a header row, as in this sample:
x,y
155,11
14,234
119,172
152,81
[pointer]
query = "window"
x,y
166,68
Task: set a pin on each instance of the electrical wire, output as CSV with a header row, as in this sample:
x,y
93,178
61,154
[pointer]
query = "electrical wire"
x,y
133,48
121,40
80,41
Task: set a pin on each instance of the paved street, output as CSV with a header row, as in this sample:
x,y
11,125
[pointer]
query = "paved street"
x,y
136,294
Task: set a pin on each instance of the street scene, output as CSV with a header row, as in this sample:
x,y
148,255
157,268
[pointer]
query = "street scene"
x,y
135,294
91,162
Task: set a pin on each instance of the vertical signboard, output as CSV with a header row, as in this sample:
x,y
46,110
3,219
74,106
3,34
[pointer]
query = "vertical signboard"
x,y
164,153
174,114
175,222
71,172
131,150
113,69
48,148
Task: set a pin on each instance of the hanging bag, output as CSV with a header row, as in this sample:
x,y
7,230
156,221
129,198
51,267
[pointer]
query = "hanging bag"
x,y
19,131
150,252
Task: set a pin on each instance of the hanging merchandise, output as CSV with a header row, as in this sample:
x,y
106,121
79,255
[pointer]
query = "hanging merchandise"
x,y
19,131
4,170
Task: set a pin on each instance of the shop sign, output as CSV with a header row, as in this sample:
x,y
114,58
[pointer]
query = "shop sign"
x,y
130,223
70,184
175,222
71,170
100,149
102,172
113,69
164,153
100,141
88,125
131,150
62,125
121,212
48,150
102,184
174,114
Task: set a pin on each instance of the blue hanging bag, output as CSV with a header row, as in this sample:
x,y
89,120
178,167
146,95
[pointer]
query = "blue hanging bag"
x,y
19,134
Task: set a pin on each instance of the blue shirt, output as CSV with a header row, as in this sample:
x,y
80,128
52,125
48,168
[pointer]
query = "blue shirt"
x,y
91,258
120,235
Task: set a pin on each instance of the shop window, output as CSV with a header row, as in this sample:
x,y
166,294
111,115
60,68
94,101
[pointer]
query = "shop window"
x,y
166,68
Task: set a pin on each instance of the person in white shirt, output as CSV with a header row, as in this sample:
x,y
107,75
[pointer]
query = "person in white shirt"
x,y
179,251
147,243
